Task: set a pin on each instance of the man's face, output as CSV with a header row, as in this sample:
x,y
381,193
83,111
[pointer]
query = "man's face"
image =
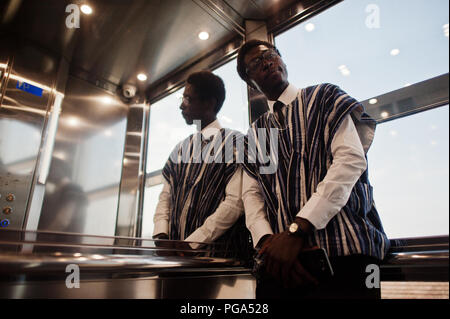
x,y
266,70
192,108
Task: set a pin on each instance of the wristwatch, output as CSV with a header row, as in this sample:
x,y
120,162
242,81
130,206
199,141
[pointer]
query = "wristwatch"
x,y
294,229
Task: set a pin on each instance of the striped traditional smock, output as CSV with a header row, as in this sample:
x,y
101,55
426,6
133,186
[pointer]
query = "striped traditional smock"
x,y
198,173
303,159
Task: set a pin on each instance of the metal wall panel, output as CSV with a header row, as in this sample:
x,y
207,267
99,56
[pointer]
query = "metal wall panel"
x,y
27,95
129,216
82,188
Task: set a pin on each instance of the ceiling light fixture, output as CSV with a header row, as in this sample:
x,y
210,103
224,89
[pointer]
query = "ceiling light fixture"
x,y
344,70
395,52
86,9
203,35
445,28
310,27
142,77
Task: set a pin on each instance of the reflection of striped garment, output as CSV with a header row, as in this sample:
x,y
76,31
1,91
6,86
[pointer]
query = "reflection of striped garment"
x,y
198,186
304,156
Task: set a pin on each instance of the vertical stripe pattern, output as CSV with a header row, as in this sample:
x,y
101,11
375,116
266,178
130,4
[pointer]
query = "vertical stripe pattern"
x,y
304,156
198,181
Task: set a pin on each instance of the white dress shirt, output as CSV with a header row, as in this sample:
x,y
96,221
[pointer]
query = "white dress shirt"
x,y
332,192
226,214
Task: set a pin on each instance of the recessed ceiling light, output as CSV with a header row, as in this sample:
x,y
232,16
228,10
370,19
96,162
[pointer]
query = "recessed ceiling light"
x,y
344,70
310,27
373,101
384,114
142,77
395,52
86,9
203,35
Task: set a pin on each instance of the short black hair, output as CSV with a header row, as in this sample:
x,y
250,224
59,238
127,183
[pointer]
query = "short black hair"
x,y
208,86
243,50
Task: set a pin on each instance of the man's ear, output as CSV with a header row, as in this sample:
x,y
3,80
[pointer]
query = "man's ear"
x,y
212,104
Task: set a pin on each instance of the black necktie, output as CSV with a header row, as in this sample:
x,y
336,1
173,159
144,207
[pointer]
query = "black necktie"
x,y
277,109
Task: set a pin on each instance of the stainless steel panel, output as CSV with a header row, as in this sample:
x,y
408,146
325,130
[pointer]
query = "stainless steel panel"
x,y
299,11
241,286
22,122
141,288
48,141
259,9
129,218
175,80
114,267
224,14
82,187
153,36
408,100
120,267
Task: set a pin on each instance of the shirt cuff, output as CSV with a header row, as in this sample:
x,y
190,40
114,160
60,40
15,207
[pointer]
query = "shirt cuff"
x,y
197,237
259,229
161,226
318,211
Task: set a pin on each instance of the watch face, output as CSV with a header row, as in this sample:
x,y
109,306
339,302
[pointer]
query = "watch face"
x,y
293,228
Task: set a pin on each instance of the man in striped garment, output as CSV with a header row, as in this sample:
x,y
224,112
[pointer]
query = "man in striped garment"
x,y
201,197
319,194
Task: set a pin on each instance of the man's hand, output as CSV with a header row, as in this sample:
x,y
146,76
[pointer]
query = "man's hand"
x,y
161,236
161,241
184,249
281,257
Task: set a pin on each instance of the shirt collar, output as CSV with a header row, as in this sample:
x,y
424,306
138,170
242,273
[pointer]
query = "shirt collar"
x,y
211,129
287,97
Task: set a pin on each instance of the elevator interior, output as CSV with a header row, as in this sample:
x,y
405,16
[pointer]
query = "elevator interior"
x,y
73,141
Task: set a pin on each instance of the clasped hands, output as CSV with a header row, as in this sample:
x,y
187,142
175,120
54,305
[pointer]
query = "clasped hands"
x,y
281,253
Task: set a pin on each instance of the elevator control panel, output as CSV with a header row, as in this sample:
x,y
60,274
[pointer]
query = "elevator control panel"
x,y
13,198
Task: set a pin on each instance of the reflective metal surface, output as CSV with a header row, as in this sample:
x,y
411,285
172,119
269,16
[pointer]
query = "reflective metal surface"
x,y
12,264
82,168
417,259
27,97
114,267
295,13
408,100
125,267
129,220
82,187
